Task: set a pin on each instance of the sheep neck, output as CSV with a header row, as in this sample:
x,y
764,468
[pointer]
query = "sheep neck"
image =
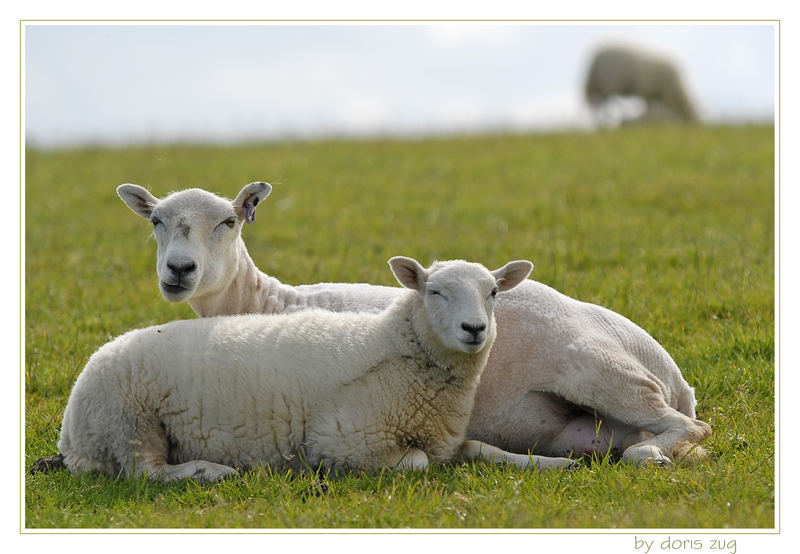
x,y
249,290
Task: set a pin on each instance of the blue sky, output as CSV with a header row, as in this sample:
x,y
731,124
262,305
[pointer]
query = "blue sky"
x,y
114,84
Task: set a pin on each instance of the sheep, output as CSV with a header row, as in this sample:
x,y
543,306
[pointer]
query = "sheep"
x,y
618,71
564,377
341,391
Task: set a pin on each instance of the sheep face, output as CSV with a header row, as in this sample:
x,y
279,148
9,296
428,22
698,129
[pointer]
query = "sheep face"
x,y
193,246
458,298
198,236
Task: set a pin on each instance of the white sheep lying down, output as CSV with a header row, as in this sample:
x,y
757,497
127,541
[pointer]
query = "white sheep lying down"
x,y
202,397
564,377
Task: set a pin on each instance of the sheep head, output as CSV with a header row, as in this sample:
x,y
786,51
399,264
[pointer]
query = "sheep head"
x,y
198,235
458,297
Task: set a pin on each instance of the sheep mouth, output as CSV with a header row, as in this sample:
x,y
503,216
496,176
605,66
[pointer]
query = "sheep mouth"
x,y
170,289
473,344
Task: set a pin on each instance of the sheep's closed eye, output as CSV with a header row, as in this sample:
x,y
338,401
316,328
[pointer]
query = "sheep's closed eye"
x,y
229,223
436,293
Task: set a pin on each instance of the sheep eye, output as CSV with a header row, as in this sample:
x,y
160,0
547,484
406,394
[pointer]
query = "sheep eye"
x,y
436,293
229,223
155,221
494,292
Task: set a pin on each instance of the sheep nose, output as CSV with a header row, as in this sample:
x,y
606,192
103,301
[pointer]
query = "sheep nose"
x,y
181,270
474,330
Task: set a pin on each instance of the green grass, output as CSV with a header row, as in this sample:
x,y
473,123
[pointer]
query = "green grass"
x,y
671,226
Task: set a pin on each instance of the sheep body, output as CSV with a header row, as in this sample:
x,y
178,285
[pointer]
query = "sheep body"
x,y
566,358
199,398
557,362
624,71
227,396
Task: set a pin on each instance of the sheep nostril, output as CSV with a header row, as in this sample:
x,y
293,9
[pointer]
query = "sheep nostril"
x,y
473,329
180,270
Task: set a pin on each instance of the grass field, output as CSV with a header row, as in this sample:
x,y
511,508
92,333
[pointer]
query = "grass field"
x,y
672,227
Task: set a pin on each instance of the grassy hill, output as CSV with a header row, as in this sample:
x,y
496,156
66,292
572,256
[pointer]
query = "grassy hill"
x,y
672,227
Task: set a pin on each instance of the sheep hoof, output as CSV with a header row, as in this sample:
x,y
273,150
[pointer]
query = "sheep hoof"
x,y
47,464
659,462
646,455
654,461
544,463
216,475
574,464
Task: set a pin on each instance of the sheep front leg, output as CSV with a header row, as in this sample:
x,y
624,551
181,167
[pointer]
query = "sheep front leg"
x,y
150,455
472,450
199,470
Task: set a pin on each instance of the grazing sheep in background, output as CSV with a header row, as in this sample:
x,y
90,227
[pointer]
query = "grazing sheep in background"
x,y
202,397
618,72
558,366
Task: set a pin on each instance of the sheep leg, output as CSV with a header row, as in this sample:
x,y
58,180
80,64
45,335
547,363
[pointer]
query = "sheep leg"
x,y
678,438
153,463
199,470
150,456
634,397
674,435
476,450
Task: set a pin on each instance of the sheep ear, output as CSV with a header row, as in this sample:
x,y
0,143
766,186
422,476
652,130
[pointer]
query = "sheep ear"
x,y
138,199
408,272
249,197
512,274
